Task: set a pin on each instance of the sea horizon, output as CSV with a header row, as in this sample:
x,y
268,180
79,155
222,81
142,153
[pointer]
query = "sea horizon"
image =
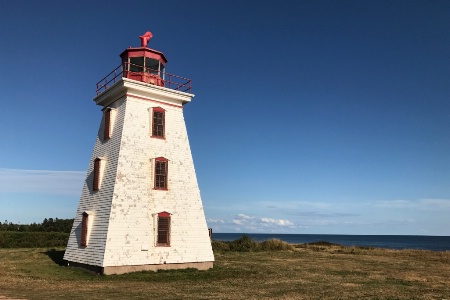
x,y
268,233
418,242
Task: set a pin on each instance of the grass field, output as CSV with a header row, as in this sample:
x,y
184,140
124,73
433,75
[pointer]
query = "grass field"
x,y
308,272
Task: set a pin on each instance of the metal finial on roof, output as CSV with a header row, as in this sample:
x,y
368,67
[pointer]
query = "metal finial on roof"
x,y
145,38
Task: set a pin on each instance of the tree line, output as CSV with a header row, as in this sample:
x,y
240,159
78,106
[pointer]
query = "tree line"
x,y
48,225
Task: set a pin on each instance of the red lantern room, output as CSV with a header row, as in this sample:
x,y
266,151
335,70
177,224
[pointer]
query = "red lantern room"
x,y
144,64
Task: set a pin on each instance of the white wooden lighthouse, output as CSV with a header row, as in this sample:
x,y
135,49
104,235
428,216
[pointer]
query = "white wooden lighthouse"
x,y
140,207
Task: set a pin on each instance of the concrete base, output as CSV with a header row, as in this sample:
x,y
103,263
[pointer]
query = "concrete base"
x,y
128,269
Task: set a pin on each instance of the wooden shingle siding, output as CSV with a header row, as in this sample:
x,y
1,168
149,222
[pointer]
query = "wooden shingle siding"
x,y
100,201
124,230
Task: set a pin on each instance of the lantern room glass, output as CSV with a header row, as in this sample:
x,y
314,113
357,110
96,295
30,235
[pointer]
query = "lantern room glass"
x,y
147,65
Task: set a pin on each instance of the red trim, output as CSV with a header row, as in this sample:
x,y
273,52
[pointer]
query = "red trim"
x,y
159,109
148,99
164,214
143,52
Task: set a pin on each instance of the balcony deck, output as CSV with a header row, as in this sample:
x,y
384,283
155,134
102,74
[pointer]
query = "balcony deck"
x,y
146,75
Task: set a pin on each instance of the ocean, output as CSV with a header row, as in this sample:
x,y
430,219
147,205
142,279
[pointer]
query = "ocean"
x,y
422,242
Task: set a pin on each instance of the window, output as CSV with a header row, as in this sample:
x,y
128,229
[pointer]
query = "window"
x,y
84,229
96,180
152,65
158,122
161,166
97,173
107,124
163,238
136,64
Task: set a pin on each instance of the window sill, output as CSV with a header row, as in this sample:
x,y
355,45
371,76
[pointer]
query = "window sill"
x,y
158,137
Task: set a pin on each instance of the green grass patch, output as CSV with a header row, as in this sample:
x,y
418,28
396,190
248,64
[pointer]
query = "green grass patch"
x,y
301,273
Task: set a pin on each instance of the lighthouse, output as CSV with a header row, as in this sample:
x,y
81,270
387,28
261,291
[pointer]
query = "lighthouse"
x,y
140,206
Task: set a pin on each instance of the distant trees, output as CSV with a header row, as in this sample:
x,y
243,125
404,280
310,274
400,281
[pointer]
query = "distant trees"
x,y
48,225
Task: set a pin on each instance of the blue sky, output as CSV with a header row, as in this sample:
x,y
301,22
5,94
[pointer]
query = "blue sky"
x,y
309,116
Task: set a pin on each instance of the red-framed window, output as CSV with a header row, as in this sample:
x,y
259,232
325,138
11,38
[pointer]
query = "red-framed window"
x,y
96,179
158,122
163,238
161,172
84,229
107,124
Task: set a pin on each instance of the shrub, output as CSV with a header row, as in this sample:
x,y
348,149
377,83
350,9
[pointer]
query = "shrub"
x,y
48,225
220,246
13,239
276,245
247,244
317,246
244,244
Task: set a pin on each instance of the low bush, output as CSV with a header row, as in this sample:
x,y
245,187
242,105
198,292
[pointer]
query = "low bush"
x,y
318,246
12,239
276,245
244,244
247,244
48,225
220,246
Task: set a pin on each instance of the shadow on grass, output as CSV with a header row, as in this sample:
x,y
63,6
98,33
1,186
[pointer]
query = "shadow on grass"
x,y
57,256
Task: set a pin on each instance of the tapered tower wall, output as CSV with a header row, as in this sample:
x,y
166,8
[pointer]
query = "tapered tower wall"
x,y
123,228
98,203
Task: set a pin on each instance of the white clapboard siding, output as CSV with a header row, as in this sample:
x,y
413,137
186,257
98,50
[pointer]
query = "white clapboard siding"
x,y
124,210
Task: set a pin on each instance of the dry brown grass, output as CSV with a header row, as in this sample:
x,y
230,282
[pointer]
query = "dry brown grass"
x,y
308,272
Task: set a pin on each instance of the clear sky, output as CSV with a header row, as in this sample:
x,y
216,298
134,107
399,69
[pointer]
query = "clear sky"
x,y
308,116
